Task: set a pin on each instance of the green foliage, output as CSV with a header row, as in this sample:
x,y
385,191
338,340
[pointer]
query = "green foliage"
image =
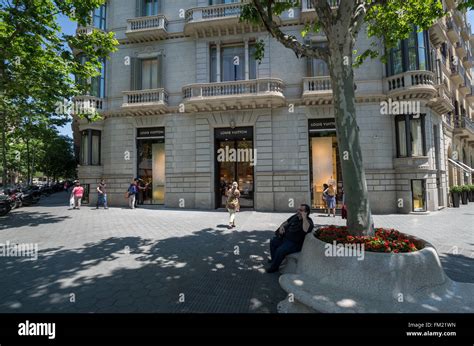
x,y
455,189
465,188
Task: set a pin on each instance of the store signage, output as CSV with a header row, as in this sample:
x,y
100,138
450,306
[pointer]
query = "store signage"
x,y
326,124
150,132
237,133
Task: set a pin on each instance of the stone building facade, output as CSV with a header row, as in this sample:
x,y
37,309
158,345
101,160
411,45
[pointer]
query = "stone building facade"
x,y
184,84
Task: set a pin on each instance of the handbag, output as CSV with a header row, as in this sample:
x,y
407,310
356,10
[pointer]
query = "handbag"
x,y
127,195
232,203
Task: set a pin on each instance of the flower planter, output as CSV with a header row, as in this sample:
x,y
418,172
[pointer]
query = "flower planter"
x,y
412,282
471,196
456,197
464,197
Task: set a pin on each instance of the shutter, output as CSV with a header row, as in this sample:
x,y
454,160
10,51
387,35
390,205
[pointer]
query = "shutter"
x,y
139,8
160,71
136,74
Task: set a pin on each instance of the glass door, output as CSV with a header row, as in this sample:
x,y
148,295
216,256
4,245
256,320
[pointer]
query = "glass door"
x,y
151,171
418,195
235,168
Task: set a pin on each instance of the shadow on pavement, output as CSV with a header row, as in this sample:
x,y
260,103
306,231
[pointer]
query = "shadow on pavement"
x,y
209,271
27,218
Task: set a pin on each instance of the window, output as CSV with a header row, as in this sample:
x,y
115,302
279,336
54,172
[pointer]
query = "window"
x,y
147,73
98,83
218,2
233,61
148,7
97,87
410,54
318,67
99,17
410,135
90,148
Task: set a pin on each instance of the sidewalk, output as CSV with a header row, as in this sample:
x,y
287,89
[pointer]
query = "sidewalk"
x,y
145,260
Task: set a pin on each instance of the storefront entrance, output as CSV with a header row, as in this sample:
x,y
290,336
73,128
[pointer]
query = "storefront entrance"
x,y
235,159
325,164
151,165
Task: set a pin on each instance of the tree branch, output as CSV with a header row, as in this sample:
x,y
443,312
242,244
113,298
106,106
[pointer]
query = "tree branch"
x,y
300,49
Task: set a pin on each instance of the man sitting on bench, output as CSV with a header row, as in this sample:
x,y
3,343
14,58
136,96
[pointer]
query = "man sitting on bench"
x,y
289,237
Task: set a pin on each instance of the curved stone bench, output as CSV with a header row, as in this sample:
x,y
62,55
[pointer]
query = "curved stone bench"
x,y
382,282
290,264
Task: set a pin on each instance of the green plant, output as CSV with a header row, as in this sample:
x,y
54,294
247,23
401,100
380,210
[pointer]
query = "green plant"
x,y
455,189
465,188
471,187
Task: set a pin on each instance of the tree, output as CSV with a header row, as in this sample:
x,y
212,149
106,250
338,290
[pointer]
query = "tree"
x,y
58,160
36,63
341,21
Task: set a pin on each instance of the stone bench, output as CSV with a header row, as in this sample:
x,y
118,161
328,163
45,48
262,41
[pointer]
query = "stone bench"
x,y
380,283
290,263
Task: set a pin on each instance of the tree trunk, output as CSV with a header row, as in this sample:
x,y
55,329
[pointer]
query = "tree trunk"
x,y
28,167
4,148
359,218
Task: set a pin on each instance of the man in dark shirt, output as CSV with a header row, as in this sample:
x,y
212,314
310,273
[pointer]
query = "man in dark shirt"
x,y
290,236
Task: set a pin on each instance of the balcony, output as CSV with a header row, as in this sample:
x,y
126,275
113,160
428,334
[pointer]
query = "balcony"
x,y
457,73
438,33
470,96
466,32
145,102
317,90
467,60
465,86
453,33
308,13
410,85
217,20
464,127
461,49
146,29
442,102
87,104
245,94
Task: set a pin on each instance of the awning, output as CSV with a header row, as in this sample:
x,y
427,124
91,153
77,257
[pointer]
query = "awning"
x,y
461,165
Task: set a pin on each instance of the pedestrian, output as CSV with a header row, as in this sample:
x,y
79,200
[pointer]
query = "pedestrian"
x,y
132,194
289,237
233,204
102,194
77,193
331,199
325,197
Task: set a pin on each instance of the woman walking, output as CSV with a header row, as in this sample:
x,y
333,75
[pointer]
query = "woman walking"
x,y
132,194
77,193
233,205
331,199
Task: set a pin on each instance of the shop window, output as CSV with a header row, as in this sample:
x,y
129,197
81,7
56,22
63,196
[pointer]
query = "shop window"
x,y
410,135
418,194
90,148
85,196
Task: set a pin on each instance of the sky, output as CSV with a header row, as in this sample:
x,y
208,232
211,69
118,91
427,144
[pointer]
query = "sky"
x,y
69,28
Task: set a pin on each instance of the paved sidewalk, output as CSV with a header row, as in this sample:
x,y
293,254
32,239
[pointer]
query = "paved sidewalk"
x,y
149,260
